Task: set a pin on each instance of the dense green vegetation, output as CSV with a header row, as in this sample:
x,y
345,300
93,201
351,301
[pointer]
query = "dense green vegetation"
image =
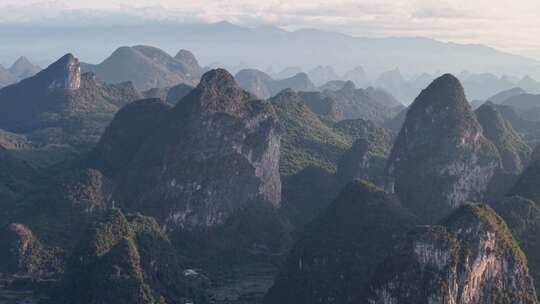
x,y
337,253
513,150
523,218
127,259
309,140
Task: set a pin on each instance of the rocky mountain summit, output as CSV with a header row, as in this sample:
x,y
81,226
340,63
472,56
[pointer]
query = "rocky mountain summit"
x,y
58,112
471,257
215,152
441,157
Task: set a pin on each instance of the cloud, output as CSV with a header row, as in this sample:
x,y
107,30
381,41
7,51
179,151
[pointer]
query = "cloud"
x,y
444,13
496,23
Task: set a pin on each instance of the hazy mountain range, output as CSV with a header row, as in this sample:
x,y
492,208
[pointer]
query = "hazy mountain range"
x,y
262,47
149,67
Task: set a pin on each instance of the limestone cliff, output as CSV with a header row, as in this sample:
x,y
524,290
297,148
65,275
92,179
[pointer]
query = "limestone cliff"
x,y
471,257
217,151
441,158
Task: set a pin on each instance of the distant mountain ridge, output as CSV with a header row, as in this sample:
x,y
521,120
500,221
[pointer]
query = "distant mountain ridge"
x,y
263,86
336,100
266,45
147,67
22,68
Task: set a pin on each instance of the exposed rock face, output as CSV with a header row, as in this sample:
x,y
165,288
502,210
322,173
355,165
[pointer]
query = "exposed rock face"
x,y
64,74
338,252
441,158
147,67
513,150
217,151
470,258
23,68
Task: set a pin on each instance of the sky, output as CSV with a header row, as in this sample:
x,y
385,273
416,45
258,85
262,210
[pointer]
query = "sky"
x,y
511,26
